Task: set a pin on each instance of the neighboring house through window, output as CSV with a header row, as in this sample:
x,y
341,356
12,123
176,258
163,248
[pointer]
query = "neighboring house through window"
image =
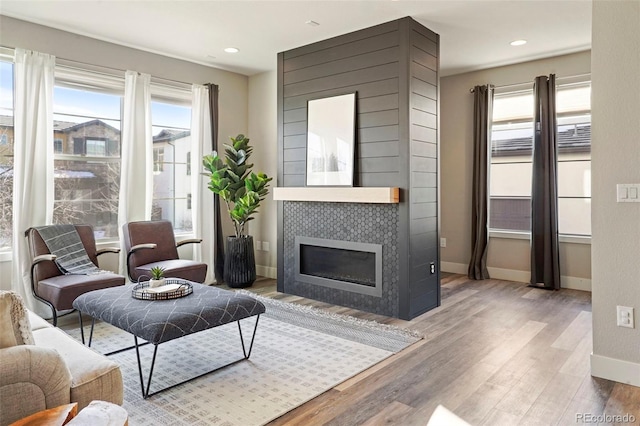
x,y
171,120
87,156
6,155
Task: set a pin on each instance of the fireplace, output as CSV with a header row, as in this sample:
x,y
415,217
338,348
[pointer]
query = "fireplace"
x,y
344,265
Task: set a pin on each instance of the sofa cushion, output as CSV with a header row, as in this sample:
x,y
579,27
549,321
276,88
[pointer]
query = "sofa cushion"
x,y
16,329
94,376
37,322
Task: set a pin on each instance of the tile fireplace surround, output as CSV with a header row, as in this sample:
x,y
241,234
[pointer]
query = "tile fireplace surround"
x,y
354,222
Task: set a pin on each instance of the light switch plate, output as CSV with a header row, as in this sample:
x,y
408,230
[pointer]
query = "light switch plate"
x,y
628,192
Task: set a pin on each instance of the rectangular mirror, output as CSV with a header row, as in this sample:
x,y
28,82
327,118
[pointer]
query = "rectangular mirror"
x,y
331,140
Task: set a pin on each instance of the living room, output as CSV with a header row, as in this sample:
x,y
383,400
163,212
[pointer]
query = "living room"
x,y
606,266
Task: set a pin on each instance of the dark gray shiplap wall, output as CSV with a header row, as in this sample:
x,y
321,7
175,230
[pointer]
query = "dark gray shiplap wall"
x,y
423,228
365,62
393,68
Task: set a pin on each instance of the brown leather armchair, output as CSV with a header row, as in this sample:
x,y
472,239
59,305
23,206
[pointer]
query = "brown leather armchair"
x,y
57,290
152,243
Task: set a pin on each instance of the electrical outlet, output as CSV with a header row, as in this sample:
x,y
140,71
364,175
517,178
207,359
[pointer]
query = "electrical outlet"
x,y
432,268
625,316
443,242
265,246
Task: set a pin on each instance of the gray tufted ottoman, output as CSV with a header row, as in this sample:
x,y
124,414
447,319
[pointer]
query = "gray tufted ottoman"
x,y
159,321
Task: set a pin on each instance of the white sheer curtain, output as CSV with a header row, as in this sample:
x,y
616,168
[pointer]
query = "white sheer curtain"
x,y
136,170
32,161
201,196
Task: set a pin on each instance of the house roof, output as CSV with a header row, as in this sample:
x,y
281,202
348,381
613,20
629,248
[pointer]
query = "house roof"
x,y
61,126
168,135
574,139
165,135
77,126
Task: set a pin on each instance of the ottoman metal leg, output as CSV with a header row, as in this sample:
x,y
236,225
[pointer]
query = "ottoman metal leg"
x,y
145,391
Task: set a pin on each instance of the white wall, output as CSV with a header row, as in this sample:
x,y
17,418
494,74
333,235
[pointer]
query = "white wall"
x,y
233,100
616,159
507,258
263,132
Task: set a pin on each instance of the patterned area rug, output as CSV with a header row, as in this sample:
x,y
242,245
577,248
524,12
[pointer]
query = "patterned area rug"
x,y
299,353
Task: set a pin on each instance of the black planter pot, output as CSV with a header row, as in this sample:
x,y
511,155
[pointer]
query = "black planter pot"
x,y
239,262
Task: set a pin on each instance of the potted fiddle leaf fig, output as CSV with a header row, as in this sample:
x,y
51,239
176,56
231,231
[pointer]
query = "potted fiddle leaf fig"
x,y
242,191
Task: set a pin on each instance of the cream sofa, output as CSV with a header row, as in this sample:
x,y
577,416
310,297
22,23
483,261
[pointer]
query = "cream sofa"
x,y
56,370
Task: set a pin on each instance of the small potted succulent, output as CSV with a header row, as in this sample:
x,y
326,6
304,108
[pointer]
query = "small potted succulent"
x,y
157,277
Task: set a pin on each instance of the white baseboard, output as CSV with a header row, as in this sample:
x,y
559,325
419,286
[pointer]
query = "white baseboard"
x,y
573,283
267,271
454,268
509,274
576,283
615,369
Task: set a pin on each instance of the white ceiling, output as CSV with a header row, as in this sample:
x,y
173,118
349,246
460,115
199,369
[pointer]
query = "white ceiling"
x,y
474,34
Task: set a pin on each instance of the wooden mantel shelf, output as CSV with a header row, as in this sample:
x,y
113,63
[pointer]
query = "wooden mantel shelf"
x,y
338,194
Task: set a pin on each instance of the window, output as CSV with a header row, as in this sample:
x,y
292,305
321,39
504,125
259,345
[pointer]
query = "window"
x,y
57,146
171,182
511,160
6,155
573,104
96,147
87,155
158,160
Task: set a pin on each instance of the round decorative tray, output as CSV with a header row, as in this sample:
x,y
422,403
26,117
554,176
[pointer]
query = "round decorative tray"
x,y
173,289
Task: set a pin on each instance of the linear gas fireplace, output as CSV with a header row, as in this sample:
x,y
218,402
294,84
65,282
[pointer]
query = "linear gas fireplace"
x,y
344,265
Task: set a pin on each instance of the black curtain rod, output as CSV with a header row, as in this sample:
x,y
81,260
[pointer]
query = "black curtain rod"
x,y
523,84
473,89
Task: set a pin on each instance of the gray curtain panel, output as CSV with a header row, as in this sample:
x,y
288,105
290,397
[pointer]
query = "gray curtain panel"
x,y
545,258
218,268
482,118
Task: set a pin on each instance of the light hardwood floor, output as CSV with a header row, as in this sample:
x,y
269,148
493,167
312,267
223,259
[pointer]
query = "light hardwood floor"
x,y
495,353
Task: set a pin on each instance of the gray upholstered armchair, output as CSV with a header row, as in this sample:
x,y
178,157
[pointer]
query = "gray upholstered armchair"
x,y
152,243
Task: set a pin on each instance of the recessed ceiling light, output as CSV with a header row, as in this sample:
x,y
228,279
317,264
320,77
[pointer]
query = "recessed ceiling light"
x,y
231,50
518,42
312,23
